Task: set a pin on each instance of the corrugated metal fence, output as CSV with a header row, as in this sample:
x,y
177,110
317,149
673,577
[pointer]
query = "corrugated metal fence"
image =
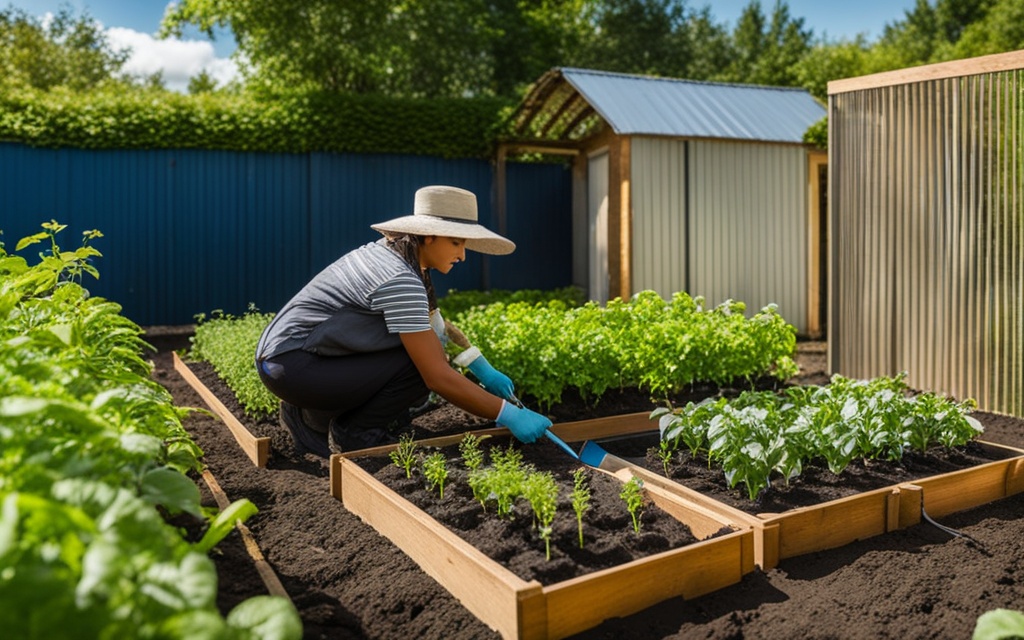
x,y
927,226
188,231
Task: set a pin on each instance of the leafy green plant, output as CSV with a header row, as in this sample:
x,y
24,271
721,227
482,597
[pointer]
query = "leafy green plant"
x,y
506,479
435,470
633,495
404,455
760,434
645,342
999,624
228,343
580,498
541,490
93,456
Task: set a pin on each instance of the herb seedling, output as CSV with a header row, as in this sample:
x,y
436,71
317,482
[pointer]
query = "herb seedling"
x,y
541,490
404,455
435,470
666,449
580,498
472,455
633,495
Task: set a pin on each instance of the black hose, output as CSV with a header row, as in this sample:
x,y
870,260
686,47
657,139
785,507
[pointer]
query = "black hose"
x,y
953,532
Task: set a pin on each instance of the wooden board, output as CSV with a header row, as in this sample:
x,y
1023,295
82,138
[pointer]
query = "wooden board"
x,y
257,449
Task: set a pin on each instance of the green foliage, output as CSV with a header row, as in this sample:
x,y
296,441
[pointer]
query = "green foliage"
x,y
435,470
456,303
999,624
294,122
228,343
580,498
541,490
472,455
404,455
633,495
817,134
657,345
759,434
64,51
92,454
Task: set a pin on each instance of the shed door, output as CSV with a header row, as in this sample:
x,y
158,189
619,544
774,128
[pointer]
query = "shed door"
x,y
597,217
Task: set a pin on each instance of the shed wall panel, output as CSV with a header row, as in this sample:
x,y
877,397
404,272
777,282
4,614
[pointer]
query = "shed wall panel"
x,y
723,221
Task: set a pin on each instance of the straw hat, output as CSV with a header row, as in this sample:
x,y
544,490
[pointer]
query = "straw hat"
x,y
451,212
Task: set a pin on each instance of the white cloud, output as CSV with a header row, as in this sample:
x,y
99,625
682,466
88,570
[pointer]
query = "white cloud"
x,y
179,60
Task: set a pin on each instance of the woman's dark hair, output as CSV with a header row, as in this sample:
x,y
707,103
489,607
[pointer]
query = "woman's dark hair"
x,y
408,246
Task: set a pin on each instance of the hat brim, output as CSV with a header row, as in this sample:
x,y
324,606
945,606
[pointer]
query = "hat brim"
x,y
478,238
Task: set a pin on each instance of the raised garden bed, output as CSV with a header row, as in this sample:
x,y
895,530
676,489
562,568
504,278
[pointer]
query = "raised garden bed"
x,y
348,582
822,511
548,605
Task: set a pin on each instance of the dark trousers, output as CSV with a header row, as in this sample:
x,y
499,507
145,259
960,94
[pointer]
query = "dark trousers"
x,y
363,391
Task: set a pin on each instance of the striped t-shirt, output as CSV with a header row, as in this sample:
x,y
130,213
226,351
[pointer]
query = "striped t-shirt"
x,y
360,303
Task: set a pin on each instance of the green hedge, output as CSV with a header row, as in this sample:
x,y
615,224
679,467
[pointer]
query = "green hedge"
x,y
293,123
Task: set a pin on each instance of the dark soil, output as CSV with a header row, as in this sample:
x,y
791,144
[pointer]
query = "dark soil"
x,y
609,537
348,582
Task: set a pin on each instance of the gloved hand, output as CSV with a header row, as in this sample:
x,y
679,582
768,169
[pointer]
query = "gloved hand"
x,y
493,380
524,424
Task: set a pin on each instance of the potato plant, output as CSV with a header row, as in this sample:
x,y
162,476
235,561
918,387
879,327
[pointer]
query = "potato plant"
x,y
761,434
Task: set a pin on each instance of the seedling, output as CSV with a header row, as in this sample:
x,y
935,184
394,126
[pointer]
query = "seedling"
x,y
633,495
541,490
435,470
472,455
666,450
580,498
404,455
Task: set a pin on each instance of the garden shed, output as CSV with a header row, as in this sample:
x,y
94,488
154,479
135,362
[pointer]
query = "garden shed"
x,y
679,185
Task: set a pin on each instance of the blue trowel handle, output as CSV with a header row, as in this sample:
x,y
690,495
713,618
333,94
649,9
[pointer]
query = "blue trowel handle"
x,y
553,438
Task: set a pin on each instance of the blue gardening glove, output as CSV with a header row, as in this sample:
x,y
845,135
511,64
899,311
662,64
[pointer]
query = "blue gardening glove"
x,y
524,424
493,380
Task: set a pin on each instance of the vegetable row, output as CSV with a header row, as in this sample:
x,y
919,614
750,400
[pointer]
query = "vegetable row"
x,y
94,465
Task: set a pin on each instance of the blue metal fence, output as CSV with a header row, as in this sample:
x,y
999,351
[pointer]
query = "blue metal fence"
x,y
189,232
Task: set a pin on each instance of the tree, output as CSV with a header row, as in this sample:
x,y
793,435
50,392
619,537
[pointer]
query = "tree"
x,y
202,82
639,36
66,52
766,52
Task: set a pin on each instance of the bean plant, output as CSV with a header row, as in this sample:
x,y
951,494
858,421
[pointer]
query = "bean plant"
x,y
760,434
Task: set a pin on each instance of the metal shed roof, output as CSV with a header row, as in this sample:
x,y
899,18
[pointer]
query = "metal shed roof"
x,y
566,104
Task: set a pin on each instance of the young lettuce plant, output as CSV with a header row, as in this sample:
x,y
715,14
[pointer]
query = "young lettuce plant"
x,y
404,455
435,470
541,490
633,495
580,498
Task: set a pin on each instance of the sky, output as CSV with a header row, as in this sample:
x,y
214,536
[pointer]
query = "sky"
x,y
134,24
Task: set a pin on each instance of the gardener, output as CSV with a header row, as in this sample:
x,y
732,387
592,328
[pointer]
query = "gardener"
x,y
363,341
